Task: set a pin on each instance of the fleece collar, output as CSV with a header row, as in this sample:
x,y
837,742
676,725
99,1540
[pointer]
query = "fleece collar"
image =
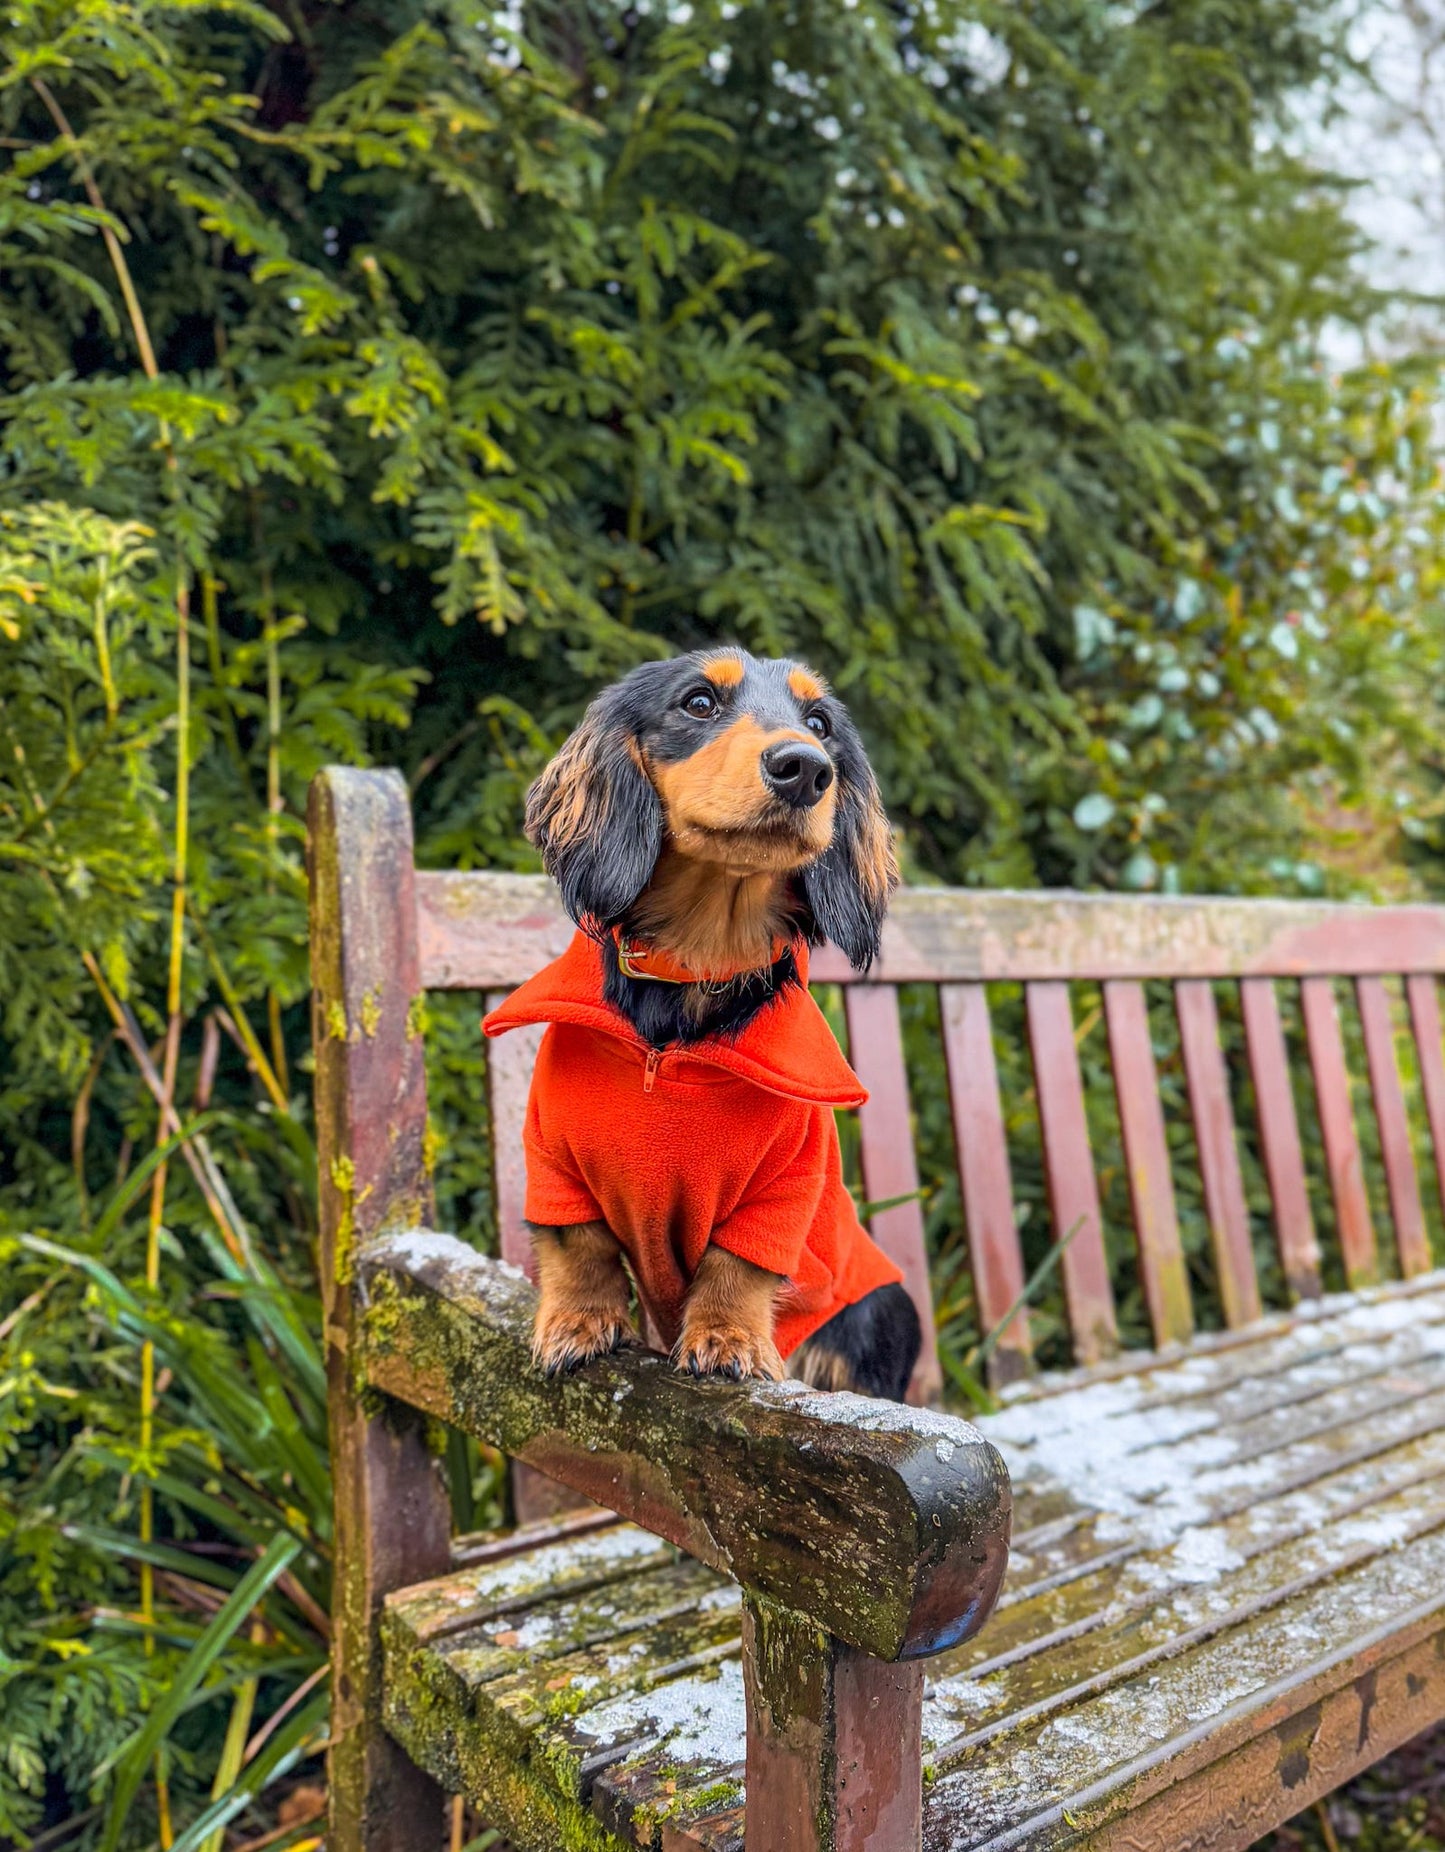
x,y
787,1048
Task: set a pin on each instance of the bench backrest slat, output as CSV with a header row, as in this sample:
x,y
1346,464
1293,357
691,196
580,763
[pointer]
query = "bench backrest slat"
x,y
890,1168
1424,1004
1073,1189
487,931
1337,1129
1406,1210
1279,1136
985,1183
490,932
1214,1135
510,1060
1146,1153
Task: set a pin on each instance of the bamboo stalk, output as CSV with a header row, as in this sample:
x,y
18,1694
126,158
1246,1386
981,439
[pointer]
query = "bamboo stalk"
x,y
233,1749
146,350
273,772
265,1073
167,1101
194,1149
112,243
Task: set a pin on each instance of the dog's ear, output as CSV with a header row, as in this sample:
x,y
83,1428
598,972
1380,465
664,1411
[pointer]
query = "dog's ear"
x,y
846,890
596,818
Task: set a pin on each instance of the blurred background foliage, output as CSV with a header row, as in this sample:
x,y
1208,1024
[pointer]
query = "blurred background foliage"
x,y
378,383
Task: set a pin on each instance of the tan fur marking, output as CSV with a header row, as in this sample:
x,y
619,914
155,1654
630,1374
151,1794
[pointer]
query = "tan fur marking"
x,y
805,685
559,803
716,805
727,1322
877,864
819,1368
710,917
584,1297
723,671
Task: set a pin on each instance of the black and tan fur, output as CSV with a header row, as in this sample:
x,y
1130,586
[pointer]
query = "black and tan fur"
x,y
713,806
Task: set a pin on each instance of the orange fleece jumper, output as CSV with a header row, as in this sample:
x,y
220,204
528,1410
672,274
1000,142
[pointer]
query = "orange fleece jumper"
x,y
729,1140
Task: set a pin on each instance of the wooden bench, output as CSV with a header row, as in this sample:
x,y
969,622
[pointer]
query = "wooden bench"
x,y
1226,1592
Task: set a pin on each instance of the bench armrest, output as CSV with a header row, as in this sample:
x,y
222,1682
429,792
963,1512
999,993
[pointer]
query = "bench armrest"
x,y
887,1526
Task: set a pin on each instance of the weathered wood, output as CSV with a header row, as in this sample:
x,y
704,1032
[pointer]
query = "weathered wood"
x,y
1406,1210
427,1699
1090,1767
1069,1172
1303,1747
1139,1631
605,1678
510,1060
981,1148
391,1510
492,931
1146,1153
550,1569
1424,1004
1040,1614
1213,1116
1337,1128
834,1741
1279,1138
886,1525
890,1169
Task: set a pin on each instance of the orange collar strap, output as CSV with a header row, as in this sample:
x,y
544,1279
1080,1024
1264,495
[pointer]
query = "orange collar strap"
x,y
636,958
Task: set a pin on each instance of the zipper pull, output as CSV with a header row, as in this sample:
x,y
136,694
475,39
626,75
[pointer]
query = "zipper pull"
x,y
649,1073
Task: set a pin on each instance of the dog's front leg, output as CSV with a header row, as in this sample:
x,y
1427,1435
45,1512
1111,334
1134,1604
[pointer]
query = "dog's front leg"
x,y
727,1322
584,1307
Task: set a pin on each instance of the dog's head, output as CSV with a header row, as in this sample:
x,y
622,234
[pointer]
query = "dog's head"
x,y
752,766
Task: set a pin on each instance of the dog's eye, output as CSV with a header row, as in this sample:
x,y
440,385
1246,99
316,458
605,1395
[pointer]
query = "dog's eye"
x,y
700,704
818,723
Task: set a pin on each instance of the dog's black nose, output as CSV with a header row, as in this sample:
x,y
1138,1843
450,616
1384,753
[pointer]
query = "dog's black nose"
x,y
797,772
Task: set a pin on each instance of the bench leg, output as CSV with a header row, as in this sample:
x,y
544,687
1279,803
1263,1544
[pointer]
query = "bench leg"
x,y
391,1530
392,1515
835,1746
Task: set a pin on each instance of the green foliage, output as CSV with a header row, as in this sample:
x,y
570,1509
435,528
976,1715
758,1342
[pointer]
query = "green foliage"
x,y
974,351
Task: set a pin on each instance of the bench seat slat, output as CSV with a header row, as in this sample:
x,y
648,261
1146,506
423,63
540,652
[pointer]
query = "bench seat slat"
x,y
1092,1759
1279,1137
1146,1153
1213,1117
1069,1171
1354,1228
981,1146
1406,1209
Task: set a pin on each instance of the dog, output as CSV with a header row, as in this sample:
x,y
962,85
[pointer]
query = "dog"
x,y
711,818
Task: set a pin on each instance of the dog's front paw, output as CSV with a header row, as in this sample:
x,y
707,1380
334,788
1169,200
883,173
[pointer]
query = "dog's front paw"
x,y
565,1340
728,1350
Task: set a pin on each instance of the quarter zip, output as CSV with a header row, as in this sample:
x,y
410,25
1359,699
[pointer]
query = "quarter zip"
x,y
649,1072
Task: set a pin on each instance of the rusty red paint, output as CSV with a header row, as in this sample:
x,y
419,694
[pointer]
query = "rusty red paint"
x,y
391,1513
1146,1152
890,1169
1424,1004
1069,1171
1279,1137
1213,1117
493,931
834,1741
981,1148
1406,1211
1337,1129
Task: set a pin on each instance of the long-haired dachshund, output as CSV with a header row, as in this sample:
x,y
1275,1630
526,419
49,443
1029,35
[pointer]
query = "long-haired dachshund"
x,y
710,819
